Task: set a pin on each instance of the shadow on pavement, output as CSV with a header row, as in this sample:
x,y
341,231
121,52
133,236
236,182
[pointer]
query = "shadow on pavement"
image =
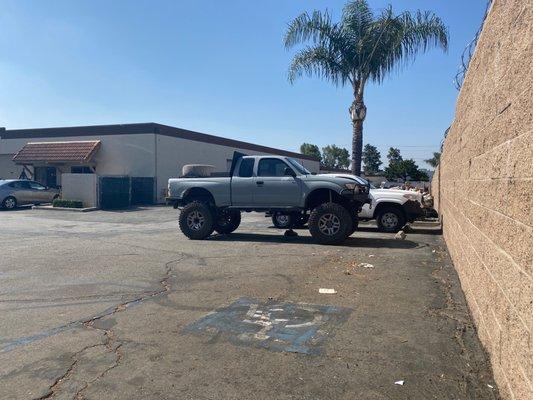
x,y
350,242
437,230
412,231
132,209
19,208
425,231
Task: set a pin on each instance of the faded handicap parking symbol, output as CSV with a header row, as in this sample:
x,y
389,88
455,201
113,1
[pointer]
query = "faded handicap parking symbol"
x,y
277,326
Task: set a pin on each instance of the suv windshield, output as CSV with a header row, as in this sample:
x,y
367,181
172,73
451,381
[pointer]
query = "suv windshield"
x,y
299,167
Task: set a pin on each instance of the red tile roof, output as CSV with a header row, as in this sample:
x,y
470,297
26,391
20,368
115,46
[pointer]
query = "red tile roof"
x,y
57,152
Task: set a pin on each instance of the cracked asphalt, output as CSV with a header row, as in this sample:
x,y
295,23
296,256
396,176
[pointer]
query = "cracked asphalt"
x,y
94,306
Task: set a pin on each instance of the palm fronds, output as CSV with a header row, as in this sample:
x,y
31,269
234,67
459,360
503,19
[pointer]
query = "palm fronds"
x,y
319,61
361,46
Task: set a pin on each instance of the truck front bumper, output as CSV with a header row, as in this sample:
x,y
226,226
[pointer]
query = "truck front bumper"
x,y
360,197
413,209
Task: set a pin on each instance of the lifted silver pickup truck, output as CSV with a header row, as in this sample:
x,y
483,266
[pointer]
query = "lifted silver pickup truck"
x,y
268,184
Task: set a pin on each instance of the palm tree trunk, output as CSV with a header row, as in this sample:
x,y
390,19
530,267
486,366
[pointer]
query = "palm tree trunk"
x,y
357,146
357,114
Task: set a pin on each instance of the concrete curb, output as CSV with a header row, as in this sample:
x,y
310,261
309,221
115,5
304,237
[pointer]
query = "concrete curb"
x,y
64,208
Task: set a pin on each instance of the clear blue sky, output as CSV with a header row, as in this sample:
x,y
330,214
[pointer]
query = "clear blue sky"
x,y
213,66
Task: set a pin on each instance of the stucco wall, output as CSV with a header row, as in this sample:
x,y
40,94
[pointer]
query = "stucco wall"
x,y
484,193
82,187
8,169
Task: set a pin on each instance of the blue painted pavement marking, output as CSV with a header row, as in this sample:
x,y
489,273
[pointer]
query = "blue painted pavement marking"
x,y
277,326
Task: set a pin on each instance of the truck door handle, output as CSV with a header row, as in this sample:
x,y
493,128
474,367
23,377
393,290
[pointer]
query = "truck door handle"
x,y
259,183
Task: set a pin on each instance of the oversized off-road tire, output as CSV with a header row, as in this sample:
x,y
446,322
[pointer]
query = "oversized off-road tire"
x,y
355,223
283,220
9,203
227,221
390,219
330,223
196,221
304,219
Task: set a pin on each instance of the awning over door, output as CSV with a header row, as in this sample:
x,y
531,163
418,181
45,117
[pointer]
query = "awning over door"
x,y
81,152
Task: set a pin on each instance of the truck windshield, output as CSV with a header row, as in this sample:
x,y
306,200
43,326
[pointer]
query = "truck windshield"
x,y
366,182
299,167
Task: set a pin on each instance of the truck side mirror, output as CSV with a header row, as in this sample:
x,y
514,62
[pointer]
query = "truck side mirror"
x,y
289,172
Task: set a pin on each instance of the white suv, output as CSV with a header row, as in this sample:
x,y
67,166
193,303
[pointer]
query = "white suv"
x,y
391,208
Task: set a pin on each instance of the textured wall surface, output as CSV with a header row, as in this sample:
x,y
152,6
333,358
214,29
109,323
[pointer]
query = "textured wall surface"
x,y
8,169
82,187
484,192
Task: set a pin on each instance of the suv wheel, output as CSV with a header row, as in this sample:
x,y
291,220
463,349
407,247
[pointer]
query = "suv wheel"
x,y
330,223
282,220
390,219
196,221
227,221
9,203
285,221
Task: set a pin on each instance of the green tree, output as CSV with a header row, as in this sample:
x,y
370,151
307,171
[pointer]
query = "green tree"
x,y
434,161
394,155
335,157
311,150
405,170
371,159
423,176
362,47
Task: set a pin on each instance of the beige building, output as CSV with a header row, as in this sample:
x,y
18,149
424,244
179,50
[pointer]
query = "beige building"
x,y
483,188
146,150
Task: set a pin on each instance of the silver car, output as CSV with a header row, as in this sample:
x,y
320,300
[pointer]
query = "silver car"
x,y
17,192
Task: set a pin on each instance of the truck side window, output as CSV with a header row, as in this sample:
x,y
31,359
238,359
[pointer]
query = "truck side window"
x,y
271,167
246,170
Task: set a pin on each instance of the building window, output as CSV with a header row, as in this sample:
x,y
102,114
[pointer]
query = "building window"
x,y
81,170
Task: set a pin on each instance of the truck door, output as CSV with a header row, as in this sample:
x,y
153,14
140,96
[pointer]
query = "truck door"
x,y
274,188
242,183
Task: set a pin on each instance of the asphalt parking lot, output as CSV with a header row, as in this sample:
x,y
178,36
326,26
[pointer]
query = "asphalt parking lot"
x,y
120,305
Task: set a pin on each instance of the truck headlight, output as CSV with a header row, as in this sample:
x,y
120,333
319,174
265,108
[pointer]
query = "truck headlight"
x,y
411,196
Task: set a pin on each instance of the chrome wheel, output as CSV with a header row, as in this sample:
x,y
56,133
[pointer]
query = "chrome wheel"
x,y
10,203
329,224
195,220
389,220
282,219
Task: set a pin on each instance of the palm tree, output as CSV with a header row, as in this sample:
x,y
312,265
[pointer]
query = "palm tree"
x,y
361,48
434,161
